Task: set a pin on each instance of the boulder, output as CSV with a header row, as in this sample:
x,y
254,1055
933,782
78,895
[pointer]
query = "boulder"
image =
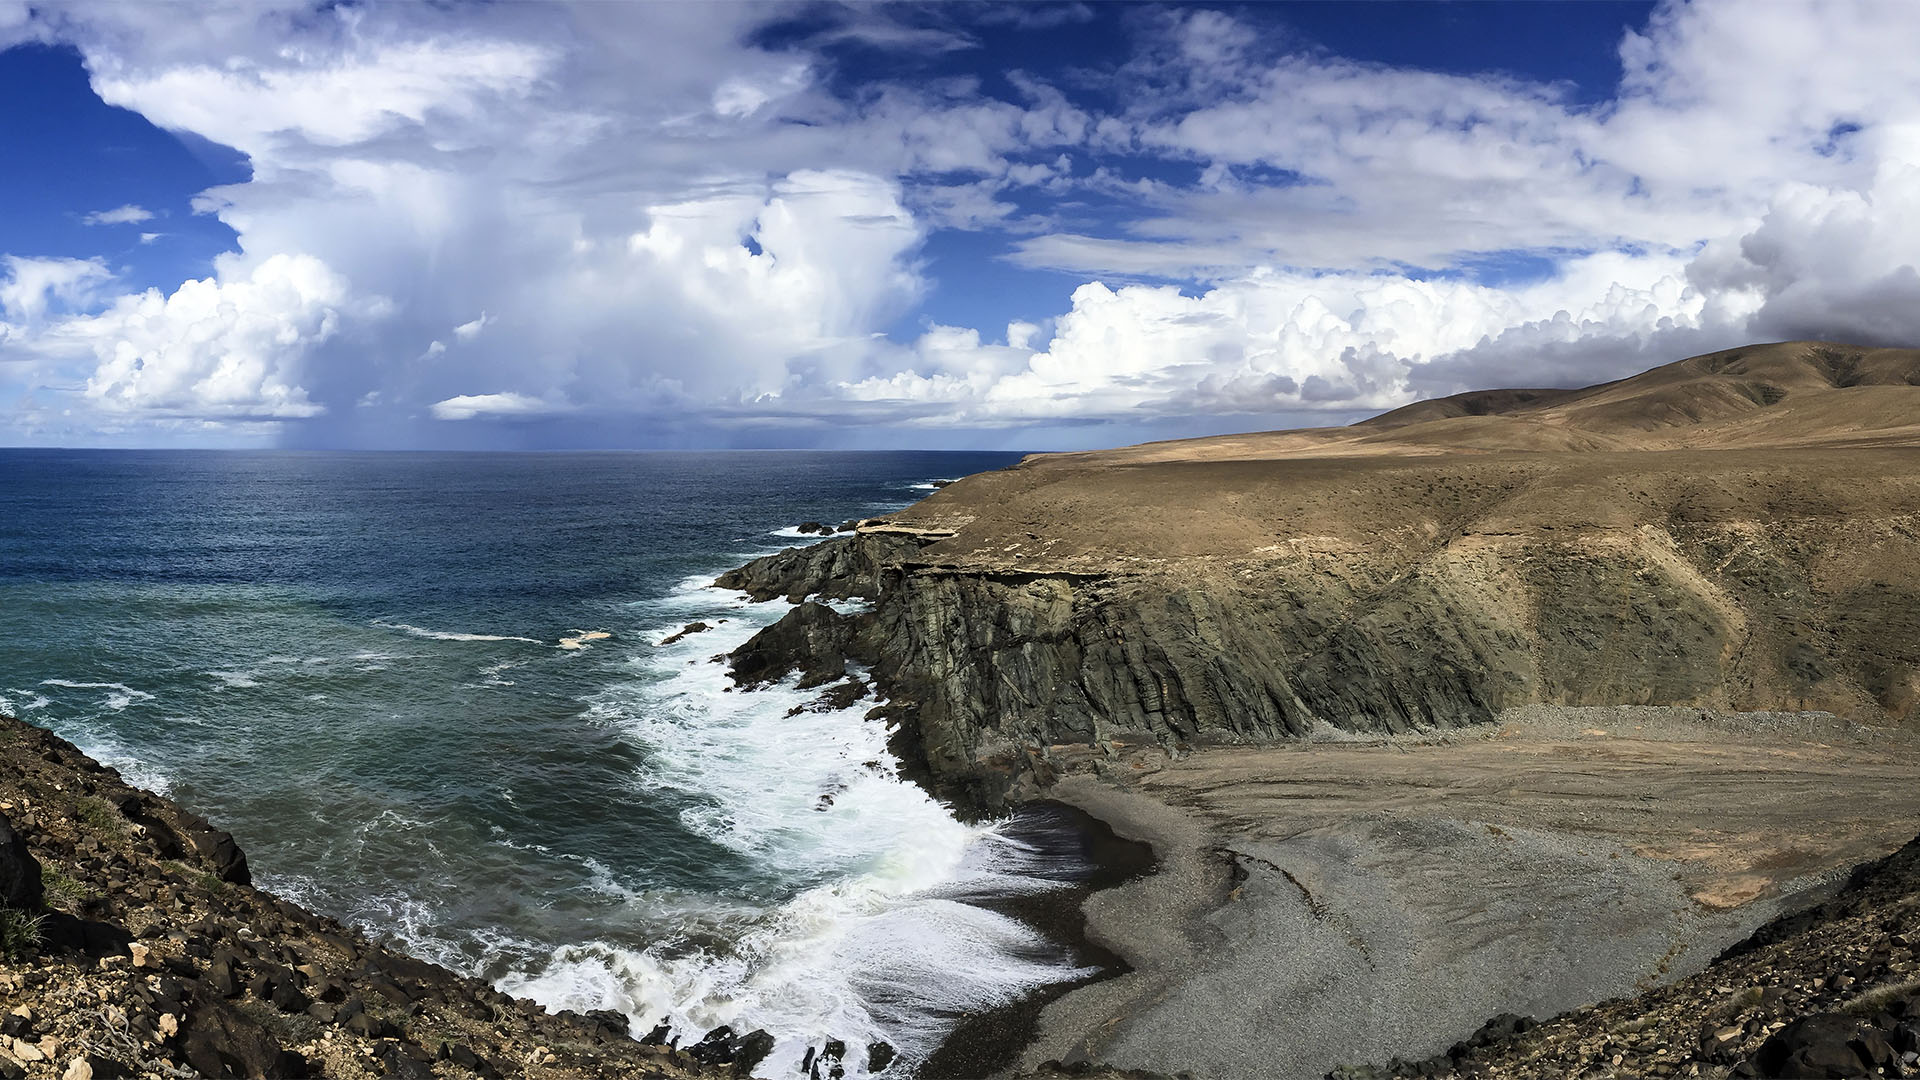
x,y
716,1047
217,848
753,1049
690,628
812,639
19,871
661,1035
220,1042
1821,1045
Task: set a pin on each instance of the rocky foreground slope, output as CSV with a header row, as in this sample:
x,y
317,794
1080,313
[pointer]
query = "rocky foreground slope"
x,y
133,945
1735,531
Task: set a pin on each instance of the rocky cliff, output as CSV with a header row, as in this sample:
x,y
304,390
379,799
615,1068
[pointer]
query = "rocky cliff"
x,y
133,945
1675,539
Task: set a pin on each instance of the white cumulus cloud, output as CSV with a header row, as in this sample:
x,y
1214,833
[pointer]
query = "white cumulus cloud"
x,y
637,213
120,215
469,406
231,348
32,284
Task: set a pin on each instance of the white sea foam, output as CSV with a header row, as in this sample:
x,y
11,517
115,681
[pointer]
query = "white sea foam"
x,y
119,695
492,672
881,949
794,532
449,635
235,680
109,751
29,703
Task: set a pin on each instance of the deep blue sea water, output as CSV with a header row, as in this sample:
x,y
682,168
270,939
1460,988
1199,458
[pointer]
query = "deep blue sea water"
x,y
381,672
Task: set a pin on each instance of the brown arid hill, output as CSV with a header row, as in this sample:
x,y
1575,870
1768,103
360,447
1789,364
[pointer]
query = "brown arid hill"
x,y
1514,701
1793,394
1734,531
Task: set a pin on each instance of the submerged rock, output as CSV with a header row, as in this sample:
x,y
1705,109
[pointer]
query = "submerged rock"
x,y
690,628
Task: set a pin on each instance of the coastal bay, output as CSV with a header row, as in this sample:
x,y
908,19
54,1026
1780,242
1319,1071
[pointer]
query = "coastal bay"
x,y
1516,701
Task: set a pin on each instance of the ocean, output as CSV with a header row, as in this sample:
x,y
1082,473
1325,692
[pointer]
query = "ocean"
x,y
427,694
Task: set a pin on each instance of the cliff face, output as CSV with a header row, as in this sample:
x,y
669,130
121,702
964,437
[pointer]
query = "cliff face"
x,y
1217,591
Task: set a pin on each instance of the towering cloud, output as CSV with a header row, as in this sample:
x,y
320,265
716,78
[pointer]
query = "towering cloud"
x,y
615,218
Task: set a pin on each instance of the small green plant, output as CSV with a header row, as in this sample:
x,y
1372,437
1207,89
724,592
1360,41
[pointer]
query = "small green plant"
x,y
1878,998
64,891
19,932
97,815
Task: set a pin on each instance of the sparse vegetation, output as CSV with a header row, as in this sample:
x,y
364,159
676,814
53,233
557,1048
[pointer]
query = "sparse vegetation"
x,y
97,815
1842,367
63,891
19,933
1877,999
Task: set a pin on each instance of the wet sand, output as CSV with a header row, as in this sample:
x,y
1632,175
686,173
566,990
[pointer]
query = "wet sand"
x,y
1349,901
992,1041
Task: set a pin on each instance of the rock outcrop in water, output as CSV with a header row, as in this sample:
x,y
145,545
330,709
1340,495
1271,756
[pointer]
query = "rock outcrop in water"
x,y
132,945
1677,539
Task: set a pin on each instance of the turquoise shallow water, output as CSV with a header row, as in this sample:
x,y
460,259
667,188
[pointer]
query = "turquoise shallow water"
x,y
374,669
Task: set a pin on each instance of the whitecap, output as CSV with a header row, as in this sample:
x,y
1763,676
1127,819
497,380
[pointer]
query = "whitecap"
x,y
119,695
14,707
491,673
883,949
450,635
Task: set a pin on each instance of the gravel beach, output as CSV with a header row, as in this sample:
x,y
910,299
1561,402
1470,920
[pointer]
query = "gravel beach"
x,y
1349,901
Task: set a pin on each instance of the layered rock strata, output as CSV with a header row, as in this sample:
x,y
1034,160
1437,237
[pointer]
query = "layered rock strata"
x,y
1367,595
1678,538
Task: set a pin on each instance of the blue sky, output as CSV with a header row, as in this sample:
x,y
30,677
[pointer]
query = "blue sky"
x,y
979,225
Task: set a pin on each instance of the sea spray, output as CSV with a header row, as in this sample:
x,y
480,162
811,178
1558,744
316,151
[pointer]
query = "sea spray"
x,y
418,754
883,947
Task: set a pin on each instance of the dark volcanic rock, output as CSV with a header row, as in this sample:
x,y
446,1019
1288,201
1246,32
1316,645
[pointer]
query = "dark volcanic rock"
x,y
812,639
1814,1047
19,871
986,667
156,963
220,1042
690,628
217,848
753,1048
716,1047
842,567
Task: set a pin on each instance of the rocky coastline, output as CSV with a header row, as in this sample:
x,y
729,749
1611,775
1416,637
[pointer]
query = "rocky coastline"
x,y
1595,706
1670,592
136,946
